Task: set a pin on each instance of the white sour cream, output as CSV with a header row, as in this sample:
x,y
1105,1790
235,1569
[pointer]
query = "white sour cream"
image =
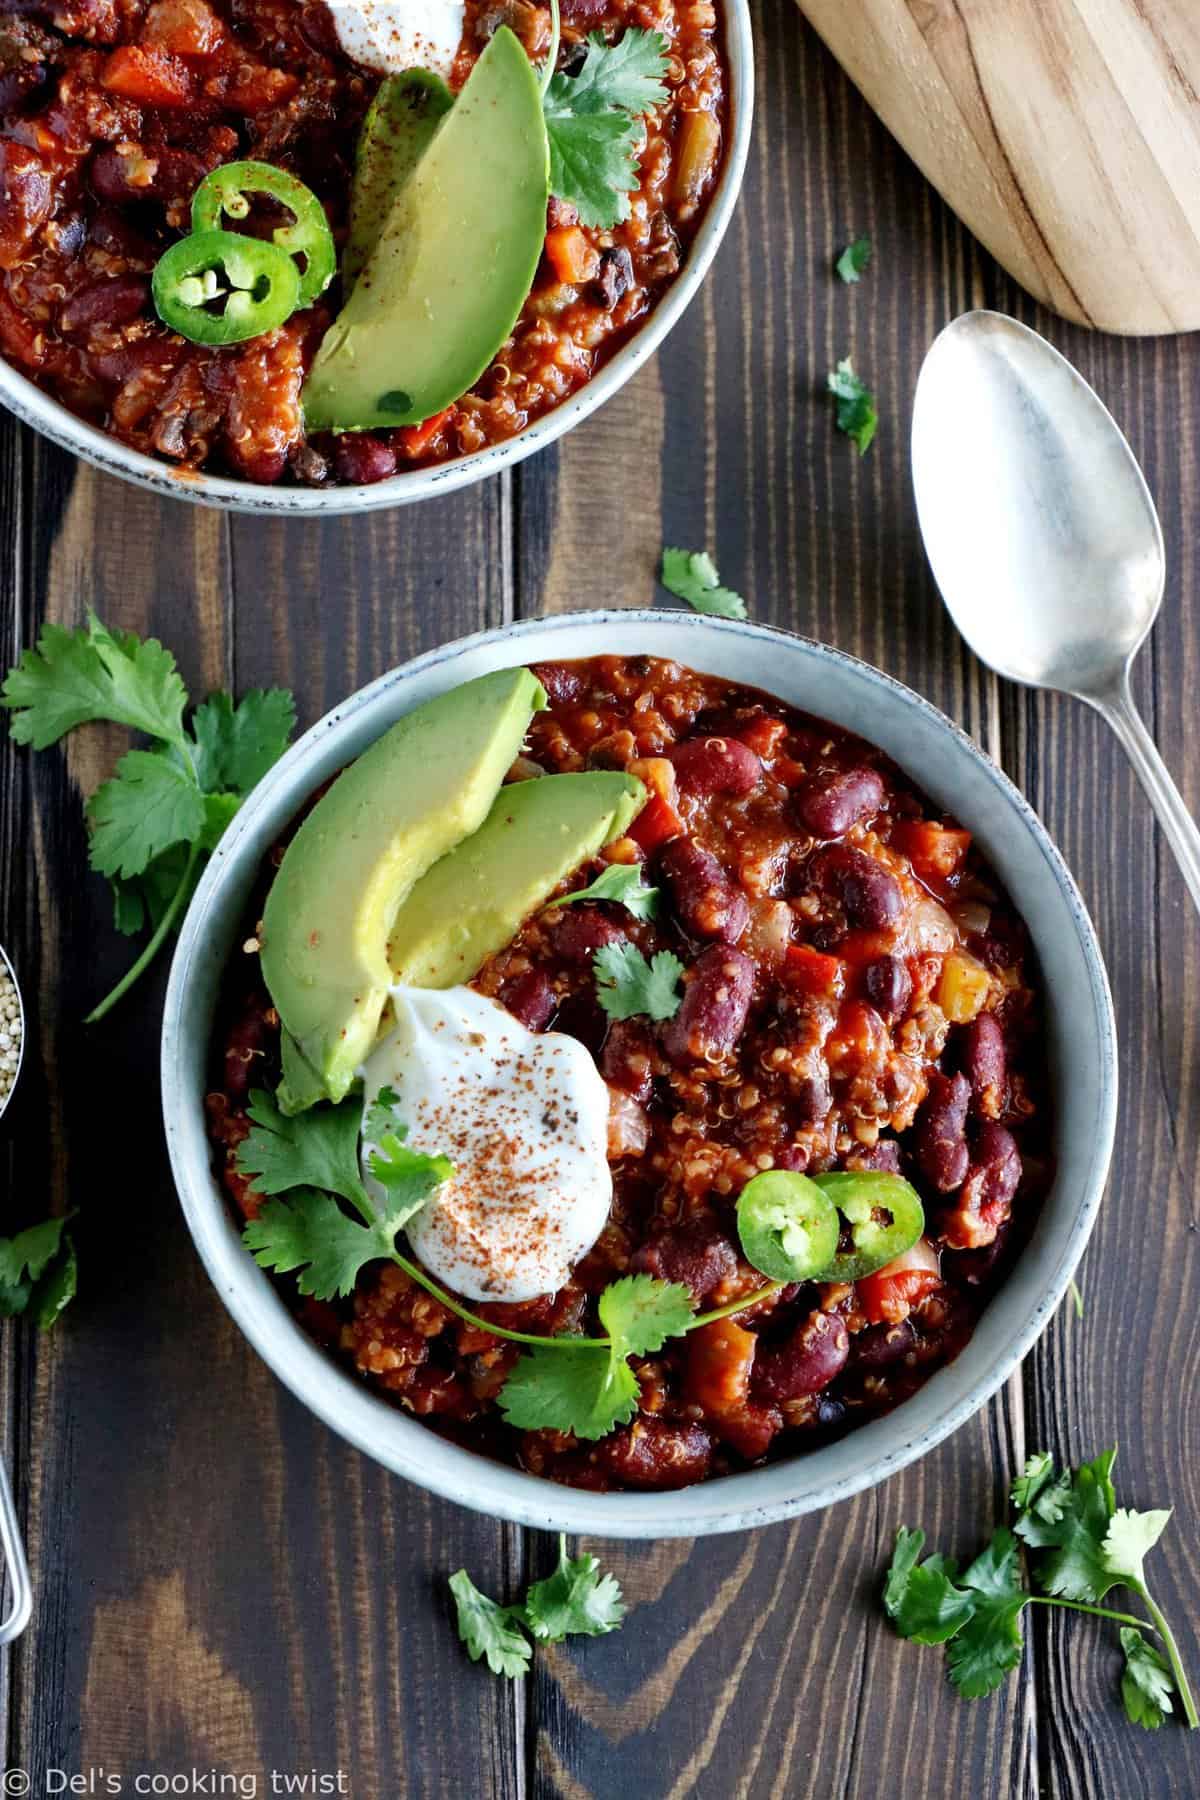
x,y
522,1115
394,35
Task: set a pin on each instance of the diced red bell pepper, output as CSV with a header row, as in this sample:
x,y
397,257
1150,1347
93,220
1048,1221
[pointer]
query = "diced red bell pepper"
x,y
936,852
656,822
147,76
889,1295
414,440
812,971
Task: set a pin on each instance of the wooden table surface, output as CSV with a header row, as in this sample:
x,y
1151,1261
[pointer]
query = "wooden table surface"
x,y
222,1583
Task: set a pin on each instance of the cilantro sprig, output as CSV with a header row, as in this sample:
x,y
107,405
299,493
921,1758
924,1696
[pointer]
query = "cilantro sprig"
x,y
621,883
593,122
691,575
852,263
857,413
1086,1545
627,985
576,1600
163,810
38,1272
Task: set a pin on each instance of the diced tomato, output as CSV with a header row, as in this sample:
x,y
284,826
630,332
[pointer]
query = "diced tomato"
x,y
573,257
789,771
890,1294
764,737
656,822
812,971
184,27
148,76
936,852
415,439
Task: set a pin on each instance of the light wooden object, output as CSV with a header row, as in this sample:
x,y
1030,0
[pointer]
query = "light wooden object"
x,y
1065,134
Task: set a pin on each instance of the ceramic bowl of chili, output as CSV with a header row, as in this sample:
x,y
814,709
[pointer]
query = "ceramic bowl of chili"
x,y
44,342
942,763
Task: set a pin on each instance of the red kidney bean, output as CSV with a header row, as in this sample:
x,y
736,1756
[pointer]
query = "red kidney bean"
x,y
140,172
246,1050
985,1064
715,765
360,459
712,1014
881,1345
888,986
580,1016
996,1163
110,230
580,931
626,1059
652,1454
148,353
804,1363
563,684
811,1094
706,900
830,804
113,301
883,1157
694,1253
793,1157
869,893
530,997
941,1127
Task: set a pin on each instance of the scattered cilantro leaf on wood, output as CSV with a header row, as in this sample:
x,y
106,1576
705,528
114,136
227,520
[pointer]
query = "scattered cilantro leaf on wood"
x,y
857,414
488,1629
1146,1684
150,804
852,263
237,744
38,1271
1075,1568
576,1600
621,883
628,986
691,575
75,677
593,126
988,1644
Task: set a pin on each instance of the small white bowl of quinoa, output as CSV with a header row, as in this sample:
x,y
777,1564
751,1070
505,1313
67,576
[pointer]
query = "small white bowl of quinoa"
x,y
12,1031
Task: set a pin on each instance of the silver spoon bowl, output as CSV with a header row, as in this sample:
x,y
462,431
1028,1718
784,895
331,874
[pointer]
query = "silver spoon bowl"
x,y
20,1603
1041,532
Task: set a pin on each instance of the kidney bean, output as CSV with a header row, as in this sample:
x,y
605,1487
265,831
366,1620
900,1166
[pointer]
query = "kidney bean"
x,y
941,1126
715,765
888,986
580,931
580,1016
881,1345
869,893
829,805
625,1061
994,1155
26,199
793,1157
805,1362
707,902
134,172
562,683
113,301
712,1015
811,1094
882,1158
653,1454
694,1253
985,1064
530,997
110,230
360,459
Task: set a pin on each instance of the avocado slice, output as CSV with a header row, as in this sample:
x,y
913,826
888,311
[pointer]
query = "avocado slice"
x,y
425,785
396,133
456,257
477,897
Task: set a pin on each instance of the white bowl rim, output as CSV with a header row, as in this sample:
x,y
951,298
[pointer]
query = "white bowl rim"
x,y
47,415
411,1449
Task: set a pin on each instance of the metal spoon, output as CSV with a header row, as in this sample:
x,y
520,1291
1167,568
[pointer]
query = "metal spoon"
x,y
1041,532
21,1592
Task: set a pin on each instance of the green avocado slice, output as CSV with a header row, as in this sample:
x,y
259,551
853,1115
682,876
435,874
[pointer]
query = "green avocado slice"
x,y
455,259
478,896
396,133
421,788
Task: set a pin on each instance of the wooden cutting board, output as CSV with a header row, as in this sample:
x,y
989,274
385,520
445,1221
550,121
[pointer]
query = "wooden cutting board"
x,y
1065,133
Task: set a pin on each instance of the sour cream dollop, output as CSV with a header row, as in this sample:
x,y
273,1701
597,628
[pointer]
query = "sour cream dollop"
x,y
394,35
522,1115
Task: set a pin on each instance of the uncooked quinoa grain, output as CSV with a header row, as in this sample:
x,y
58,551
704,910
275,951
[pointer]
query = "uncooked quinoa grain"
x,y
10,1035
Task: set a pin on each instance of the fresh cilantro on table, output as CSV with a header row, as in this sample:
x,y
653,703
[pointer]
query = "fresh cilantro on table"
x,y
38,1272
593,125
621,883
857,414
691,575
852,263
164,809
627,985
1086,1546
575,1601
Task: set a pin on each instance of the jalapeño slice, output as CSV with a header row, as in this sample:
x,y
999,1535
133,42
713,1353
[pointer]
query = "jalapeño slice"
x,y
217,287
226,193
884,1215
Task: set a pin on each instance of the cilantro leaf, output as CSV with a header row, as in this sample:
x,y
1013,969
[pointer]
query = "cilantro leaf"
x,y
38,1271
594,135
1037,1474
561,1387
854,259
1146,1684
989,1645
487,1628
317,1148
857,415
621,883
408,1176
74,677
1129,1538
1076,1568
310,1233
141,902
691,575
627,985
238,744
575,1599
920,1598
57,1286
149,805
639,1313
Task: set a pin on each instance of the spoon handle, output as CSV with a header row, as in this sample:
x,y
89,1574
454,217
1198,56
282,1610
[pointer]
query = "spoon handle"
x,y
1177,822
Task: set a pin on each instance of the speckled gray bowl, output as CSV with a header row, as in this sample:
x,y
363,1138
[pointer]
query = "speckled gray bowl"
x,y
62,427
1079,1032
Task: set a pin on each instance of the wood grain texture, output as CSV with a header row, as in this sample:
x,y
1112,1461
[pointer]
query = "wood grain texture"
x,y
222,1583
1065,133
